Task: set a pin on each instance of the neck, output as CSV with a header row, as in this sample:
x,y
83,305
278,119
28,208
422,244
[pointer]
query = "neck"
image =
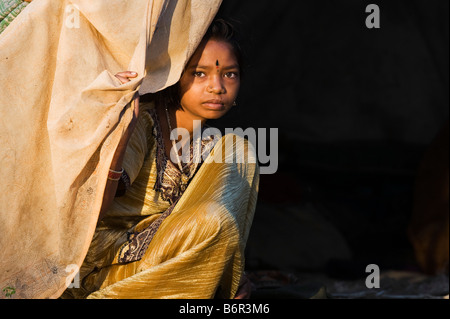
x,y
186,122
181,119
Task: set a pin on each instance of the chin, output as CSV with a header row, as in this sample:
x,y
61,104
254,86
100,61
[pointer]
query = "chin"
x,y
215,115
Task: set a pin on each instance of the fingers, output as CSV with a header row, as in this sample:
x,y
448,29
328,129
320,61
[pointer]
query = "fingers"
x,y
128,74
125,76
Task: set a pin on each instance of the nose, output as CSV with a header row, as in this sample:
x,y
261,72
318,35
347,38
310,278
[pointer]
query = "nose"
x,y
215,85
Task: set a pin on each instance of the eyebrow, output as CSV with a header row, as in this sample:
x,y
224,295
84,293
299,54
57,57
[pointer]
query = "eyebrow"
x,y
204,67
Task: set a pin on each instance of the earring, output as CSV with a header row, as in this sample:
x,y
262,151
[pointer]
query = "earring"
x,y
234,103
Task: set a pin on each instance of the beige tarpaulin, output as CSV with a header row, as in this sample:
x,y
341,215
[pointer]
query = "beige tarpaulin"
x,y
62,116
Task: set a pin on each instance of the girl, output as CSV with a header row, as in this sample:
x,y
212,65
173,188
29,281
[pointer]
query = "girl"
x,y
173,228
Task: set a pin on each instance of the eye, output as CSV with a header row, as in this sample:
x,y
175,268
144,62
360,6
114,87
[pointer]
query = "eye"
x,y
232,75
199,74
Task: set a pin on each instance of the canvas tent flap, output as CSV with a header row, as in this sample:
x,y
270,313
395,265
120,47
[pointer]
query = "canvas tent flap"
x,y
62,116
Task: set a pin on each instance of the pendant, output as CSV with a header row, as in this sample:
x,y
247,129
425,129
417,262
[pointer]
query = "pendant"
x,y
184,179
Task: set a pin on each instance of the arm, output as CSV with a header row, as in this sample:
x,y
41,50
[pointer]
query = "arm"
x,y
116,164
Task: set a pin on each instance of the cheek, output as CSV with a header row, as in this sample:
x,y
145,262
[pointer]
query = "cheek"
x,y
191,93
234,89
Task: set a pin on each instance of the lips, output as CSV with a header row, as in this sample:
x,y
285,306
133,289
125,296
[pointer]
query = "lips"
x,y
216,102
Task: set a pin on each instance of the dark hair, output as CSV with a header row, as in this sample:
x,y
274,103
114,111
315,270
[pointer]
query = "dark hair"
x,y
220,30
223,30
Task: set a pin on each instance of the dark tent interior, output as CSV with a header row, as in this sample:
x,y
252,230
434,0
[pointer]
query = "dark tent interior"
x,y
357,110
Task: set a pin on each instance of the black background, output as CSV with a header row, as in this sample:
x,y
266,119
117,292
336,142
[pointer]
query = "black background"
x,y
355,108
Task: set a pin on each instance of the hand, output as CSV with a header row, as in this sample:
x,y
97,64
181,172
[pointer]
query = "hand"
x,y
124,77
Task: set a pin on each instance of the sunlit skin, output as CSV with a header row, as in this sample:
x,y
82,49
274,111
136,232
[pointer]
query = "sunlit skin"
x,y
209,85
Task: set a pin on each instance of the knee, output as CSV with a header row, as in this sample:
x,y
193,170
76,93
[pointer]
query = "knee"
x,y
214,220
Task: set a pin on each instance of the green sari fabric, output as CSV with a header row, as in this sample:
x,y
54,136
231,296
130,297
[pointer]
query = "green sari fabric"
x,y
9,10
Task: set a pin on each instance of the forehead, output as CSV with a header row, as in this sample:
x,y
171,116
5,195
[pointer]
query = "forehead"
x,y
212,51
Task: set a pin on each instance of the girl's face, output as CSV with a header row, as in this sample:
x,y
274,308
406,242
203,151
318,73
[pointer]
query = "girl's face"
x,y
211,81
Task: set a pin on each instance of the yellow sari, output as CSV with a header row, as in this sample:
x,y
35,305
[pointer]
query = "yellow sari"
x,y
198,249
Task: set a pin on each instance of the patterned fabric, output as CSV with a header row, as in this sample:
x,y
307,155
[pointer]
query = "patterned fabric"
x,y
138,242
169,185
169,175
9,10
